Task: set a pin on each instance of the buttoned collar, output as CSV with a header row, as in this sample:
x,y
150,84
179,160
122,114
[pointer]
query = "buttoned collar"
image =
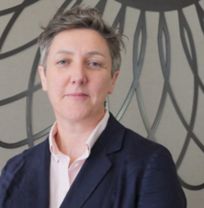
x,y
90,141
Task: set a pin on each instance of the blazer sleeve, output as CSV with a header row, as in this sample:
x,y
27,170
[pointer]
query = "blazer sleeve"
x,y
160,185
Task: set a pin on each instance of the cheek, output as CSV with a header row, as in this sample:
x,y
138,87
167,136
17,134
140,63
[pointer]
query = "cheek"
x,y
102,87
55,86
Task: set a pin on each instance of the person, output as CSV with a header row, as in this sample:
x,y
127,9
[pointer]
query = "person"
x,y
89,160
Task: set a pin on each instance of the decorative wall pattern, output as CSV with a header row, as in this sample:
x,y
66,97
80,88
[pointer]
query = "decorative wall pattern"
x,y
163,9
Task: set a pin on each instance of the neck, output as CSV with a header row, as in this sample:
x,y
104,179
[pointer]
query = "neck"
x,y
71,136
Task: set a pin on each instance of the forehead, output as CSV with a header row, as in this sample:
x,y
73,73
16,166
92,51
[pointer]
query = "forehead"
x,y
80,40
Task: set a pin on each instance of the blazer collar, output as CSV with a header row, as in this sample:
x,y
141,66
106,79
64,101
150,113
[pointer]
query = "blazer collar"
x,y
96,166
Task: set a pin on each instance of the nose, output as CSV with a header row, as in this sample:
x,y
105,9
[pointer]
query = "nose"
x,y
79,75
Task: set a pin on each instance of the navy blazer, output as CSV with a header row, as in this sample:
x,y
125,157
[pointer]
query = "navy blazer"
x,y
123,170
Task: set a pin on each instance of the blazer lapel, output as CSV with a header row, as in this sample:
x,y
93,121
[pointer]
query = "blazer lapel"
x,y
95,167
87,180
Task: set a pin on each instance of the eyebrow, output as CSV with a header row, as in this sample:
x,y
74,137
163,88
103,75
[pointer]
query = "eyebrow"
x,y
64,52
91,53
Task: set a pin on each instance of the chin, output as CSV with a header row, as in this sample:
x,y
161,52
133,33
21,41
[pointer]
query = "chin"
x,y
75,115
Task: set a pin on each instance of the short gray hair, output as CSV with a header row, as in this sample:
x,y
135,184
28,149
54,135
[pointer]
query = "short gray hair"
x,y
78,17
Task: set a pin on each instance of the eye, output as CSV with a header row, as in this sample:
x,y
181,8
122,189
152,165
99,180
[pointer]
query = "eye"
x,y
63,62
94,64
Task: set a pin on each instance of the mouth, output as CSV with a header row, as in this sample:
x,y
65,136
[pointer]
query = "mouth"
x,y
77,95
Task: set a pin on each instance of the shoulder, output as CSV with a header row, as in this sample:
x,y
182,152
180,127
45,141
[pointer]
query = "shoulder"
x,y
136,151
132,144
15,163
140,153
18,168
147,150
144,146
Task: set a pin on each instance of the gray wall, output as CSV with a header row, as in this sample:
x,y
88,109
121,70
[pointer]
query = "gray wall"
x,y
159,93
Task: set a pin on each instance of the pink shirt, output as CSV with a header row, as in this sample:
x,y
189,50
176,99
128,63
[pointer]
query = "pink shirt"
x,y
62,174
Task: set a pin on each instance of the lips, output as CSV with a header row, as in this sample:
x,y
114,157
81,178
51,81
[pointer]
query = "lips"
x,y
77,95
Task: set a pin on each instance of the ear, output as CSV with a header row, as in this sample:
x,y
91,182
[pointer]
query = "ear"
x,y
114,79
43,78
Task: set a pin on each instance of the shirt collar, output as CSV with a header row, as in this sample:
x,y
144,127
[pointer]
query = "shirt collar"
x,y
97,130
92,138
